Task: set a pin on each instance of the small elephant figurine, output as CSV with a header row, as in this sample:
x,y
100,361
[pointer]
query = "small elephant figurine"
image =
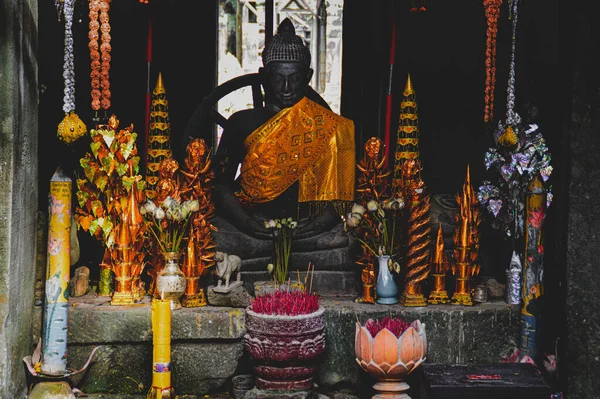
x,y
226,266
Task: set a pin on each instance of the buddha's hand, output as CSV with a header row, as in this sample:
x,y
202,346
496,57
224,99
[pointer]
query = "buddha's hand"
x,y
310,227
256,229
316,225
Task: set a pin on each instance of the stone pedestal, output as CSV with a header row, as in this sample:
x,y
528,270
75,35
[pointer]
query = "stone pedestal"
x,y
207,342
238,297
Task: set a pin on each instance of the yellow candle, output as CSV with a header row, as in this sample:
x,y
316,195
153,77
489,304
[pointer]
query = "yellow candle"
x,y
54,347
161,331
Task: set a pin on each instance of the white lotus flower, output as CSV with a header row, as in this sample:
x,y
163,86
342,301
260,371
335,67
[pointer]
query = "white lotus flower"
x,y
159,214
372,206
149,206
168,202
357,208
194,205
353,219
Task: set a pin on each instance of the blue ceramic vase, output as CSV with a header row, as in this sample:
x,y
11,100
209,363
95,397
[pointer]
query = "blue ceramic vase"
x,y
387,290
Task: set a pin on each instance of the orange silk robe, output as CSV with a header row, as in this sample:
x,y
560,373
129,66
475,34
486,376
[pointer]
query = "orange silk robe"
x,y
306,143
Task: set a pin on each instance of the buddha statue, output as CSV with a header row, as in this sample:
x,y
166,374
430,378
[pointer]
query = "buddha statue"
x,y
294,155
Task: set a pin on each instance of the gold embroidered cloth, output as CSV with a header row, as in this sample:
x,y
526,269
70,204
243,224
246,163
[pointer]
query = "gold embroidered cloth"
x,y
305,143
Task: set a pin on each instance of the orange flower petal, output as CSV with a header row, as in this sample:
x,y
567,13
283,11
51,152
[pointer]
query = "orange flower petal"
x,y
363,351
385,349
410,346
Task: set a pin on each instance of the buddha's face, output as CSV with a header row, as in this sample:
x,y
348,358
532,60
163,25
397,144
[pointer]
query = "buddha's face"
x,y
286,83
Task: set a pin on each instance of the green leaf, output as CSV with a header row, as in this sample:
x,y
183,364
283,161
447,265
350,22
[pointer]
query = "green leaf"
x,y
121,169
94,146
94,226
107,227
127,182
82,198
101,180
135,161
97,208
106,162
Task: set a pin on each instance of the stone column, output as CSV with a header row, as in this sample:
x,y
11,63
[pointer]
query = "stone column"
x,y
583,232
18,187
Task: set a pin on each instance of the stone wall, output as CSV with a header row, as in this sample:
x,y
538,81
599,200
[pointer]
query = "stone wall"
x,y
583,242
18,187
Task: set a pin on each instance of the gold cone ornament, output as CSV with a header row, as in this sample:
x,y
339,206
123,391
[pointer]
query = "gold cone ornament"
x,y
407,143
440,266
466,243
159,136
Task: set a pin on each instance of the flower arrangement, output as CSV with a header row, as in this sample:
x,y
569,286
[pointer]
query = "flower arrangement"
x,y
375,226
286,303
521,154
282,231
168,221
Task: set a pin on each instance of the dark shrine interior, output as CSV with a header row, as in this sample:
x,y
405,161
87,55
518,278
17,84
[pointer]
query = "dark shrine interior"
x,y
443,49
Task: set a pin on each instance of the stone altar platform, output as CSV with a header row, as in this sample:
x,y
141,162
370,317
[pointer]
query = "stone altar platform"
x,y
207,346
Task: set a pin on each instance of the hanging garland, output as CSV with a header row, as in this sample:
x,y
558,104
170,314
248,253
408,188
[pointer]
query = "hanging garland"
x,y
100,70
492,12
71,127
510,93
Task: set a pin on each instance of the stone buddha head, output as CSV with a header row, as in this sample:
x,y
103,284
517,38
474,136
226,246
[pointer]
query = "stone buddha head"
x,y
286,72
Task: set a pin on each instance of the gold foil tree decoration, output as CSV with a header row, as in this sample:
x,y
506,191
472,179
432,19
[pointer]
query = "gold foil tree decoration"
x,y
104,192
159,136
418,246
372,184
466,243
440,266
198,179
407,144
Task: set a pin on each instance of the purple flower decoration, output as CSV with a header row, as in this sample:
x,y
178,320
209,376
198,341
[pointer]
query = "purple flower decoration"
x,y
492,157
549,198
487,191
494,206
546,172
507,171
521,161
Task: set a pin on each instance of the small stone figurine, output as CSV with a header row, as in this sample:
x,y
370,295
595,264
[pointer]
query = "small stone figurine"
x,y
226,266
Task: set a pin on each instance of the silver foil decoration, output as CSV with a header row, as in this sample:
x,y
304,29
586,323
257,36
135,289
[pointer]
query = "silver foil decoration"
x,y
513,281
69,60
480,294
511,117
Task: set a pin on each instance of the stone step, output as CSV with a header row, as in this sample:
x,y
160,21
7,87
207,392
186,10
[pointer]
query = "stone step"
x,y
207,346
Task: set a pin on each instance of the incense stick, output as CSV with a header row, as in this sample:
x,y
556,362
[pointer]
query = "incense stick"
x,y
312,274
